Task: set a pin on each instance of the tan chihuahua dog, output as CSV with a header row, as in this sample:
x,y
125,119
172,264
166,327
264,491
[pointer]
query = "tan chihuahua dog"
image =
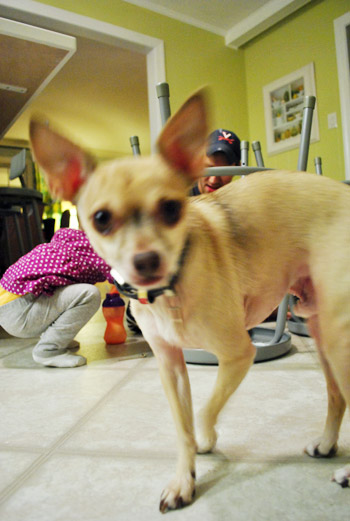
x,y
252,241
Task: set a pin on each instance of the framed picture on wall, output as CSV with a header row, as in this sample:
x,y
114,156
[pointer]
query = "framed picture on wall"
x,y
283,103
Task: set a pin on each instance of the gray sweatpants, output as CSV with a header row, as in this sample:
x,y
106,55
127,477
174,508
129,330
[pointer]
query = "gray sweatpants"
x,y
56,319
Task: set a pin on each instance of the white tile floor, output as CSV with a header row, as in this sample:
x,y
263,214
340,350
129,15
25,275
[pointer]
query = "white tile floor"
x,y
97,443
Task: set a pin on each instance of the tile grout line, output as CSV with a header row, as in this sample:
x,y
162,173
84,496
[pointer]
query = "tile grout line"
x,y
16,350
47,453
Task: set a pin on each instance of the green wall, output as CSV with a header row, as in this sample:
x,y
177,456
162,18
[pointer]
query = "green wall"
x,y
193,57
307,36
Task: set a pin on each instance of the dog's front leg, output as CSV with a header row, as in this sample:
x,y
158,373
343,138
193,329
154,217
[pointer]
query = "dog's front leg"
x,y
233,366
174,376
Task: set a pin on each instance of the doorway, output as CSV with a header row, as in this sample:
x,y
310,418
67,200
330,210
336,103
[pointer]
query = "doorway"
x,y
342,42
56,19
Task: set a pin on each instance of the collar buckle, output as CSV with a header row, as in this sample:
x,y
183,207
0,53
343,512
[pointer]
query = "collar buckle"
x,y
143,297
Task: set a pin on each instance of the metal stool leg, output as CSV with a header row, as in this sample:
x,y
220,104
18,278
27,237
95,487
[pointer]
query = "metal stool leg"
x,y
318,165
135,145
257,151
163,93
309,105
244,153
281,321
296,324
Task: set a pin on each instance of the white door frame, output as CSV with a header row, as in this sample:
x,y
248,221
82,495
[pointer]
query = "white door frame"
x,y
343,61
35,13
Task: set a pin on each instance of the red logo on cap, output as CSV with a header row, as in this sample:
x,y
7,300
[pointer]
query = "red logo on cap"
x,y
226,137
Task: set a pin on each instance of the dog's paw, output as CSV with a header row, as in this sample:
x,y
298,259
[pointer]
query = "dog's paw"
x,y
206,441
342,477
178,494
206,434
321,449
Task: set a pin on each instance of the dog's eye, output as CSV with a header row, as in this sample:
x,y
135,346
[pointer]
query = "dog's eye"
x,y
170,211
102,221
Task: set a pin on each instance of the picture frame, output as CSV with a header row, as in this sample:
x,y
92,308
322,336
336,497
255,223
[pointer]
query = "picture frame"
x,y
283,104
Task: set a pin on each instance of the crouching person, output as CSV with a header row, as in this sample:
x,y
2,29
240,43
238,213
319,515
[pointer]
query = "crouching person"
x,y
50,293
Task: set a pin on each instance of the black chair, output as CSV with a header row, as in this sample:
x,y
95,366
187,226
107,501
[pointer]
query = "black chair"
x,y
6,216
65,219
18,166
20,204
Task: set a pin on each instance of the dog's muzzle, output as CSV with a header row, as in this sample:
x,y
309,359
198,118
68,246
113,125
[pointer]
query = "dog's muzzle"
x,y
146,263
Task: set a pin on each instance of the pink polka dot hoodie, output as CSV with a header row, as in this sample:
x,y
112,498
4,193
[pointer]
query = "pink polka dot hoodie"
x,y
67,259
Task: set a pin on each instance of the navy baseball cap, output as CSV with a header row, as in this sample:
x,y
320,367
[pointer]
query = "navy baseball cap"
x,y
225,141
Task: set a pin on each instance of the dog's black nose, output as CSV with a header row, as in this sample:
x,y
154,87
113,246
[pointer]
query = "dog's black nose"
x,y
147,263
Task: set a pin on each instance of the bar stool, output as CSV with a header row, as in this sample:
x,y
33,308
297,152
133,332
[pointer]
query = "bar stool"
x,y
270,343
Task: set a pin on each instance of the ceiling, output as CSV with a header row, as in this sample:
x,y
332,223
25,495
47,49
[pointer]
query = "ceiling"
x,y
111,107
237,20
30,58
94,97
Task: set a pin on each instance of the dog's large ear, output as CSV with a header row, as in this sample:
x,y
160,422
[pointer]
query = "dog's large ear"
x,y
182,141
66,166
